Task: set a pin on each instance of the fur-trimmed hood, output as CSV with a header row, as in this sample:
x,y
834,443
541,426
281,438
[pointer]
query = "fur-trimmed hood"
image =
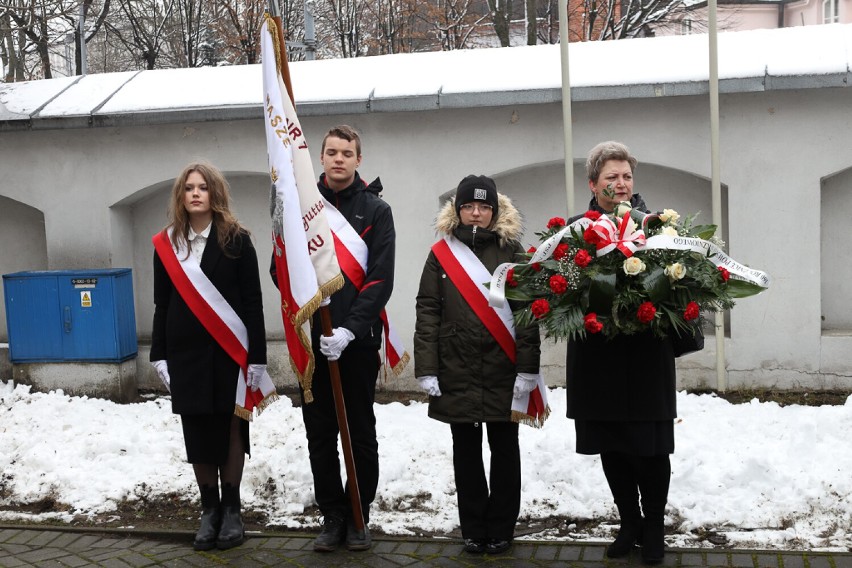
x,y
508,226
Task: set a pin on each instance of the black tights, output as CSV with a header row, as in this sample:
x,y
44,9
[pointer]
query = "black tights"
x,y
231,472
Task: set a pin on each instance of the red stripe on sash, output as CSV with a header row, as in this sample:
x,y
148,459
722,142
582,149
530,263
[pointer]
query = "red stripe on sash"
x,y
197,304
473,296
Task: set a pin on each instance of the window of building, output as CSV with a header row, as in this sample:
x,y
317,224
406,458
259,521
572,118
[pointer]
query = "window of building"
x,y
829,11
686,26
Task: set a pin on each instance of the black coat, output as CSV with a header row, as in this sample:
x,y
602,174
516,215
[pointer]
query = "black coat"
x,y
203,376
625,378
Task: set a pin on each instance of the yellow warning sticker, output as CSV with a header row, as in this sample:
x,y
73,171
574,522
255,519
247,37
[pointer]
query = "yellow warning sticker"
x,y
86,299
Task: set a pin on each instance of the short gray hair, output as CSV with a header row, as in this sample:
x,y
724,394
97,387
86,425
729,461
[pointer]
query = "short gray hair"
x,y
604,152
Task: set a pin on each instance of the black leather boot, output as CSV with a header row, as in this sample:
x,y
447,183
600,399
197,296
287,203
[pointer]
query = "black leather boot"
x,y
332,534
205,538
232,532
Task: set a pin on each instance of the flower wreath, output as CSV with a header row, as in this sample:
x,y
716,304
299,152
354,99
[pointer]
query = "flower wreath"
x,y
624,272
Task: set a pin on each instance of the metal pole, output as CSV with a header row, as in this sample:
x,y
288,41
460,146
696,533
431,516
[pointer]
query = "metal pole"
x,y
567,126
82,26
716,184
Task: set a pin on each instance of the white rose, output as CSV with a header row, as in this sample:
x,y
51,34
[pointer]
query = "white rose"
x,y
669,231
675,271
633,266
622,208
669,216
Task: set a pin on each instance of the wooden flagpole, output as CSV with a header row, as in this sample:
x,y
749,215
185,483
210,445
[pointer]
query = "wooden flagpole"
x,y
325,318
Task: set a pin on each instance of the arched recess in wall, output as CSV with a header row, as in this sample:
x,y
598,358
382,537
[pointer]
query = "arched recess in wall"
x,y
144,212
538,191
24,244
835,254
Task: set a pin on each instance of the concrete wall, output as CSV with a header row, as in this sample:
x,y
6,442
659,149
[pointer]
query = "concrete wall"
x,y
785,163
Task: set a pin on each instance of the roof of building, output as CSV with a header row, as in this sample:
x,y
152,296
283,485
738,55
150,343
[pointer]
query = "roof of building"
x,y
749,61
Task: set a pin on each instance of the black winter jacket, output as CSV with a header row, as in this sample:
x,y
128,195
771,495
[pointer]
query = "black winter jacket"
x,y
475,376
372,219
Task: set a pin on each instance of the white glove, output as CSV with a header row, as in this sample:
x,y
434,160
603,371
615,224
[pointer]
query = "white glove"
x,y
325,301
524,383
332,347
255,375
163,372
429,383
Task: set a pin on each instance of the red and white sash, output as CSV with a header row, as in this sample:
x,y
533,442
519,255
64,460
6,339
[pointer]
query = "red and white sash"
x,y
218,318
352,255
468,274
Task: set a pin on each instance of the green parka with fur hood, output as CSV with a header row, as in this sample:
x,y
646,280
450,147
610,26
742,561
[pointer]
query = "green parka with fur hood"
x,y
475,376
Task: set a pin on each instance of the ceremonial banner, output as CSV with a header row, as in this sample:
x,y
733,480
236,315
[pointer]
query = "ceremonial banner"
x,y
305,261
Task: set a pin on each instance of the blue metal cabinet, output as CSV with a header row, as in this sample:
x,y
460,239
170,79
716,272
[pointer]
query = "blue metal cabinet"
x,y
70,315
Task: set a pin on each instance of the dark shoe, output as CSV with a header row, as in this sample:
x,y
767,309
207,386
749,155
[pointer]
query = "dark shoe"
x,y
474,545
333,533
233,531
496,546
357,540
629,535
205,538
653,542
211,518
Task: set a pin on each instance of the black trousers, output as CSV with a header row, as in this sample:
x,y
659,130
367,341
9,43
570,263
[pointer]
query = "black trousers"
x,y
359,370
485,515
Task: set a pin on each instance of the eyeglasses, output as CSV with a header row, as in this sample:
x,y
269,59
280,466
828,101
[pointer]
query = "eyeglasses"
x,y
481,207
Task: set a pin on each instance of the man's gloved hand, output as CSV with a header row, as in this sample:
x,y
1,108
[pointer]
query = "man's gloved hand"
x,y
333,346
524,383
429,383
255,374
163,372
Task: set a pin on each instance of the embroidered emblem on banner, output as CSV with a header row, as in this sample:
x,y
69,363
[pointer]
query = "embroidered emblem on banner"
x,y
479,194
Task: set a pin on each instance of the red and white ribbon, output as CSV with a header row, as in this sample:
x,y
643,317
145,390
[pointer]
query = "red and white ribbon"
x,y
352,255
469,275
625,236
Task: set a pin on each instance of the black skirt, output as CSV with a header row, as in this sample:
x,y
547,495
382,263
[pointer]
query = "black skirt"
x,y
645,438
207,437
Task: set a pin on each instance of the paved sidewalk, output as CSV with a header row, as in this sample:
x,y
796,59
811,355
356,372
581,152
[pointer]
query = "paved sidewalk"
x,y
41,546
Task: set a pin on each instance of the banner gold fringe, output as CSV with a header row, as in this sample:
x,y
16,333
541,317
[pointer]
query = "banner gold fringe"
x,y
304,314
523,418
247,415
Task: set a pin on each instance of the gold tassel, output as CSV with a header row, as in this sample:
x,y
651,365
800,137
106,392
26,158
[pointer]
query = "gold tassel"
x,y
242,413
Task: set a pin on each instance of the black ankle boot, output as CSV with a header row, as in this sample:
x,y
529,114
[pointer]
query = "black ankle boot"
x,y
232,532
653,541
629,535
211,517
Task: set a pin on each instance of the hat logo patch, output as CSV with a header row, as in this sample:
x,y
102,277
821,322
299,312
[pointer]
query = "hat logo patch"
x,y
479,194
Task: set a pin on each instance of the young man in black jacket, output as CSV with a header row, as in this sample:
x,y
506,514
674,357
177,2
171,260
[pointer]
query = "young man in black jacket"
x,y
354,344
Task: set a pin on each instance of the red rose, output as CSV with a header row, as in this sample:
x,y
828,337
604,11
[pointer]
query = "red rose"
x,y
724,272
510,279
582,258
536,266
556,222
590,236
540,307
591,323
691,311
558,284
560,252
646,312
593,215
